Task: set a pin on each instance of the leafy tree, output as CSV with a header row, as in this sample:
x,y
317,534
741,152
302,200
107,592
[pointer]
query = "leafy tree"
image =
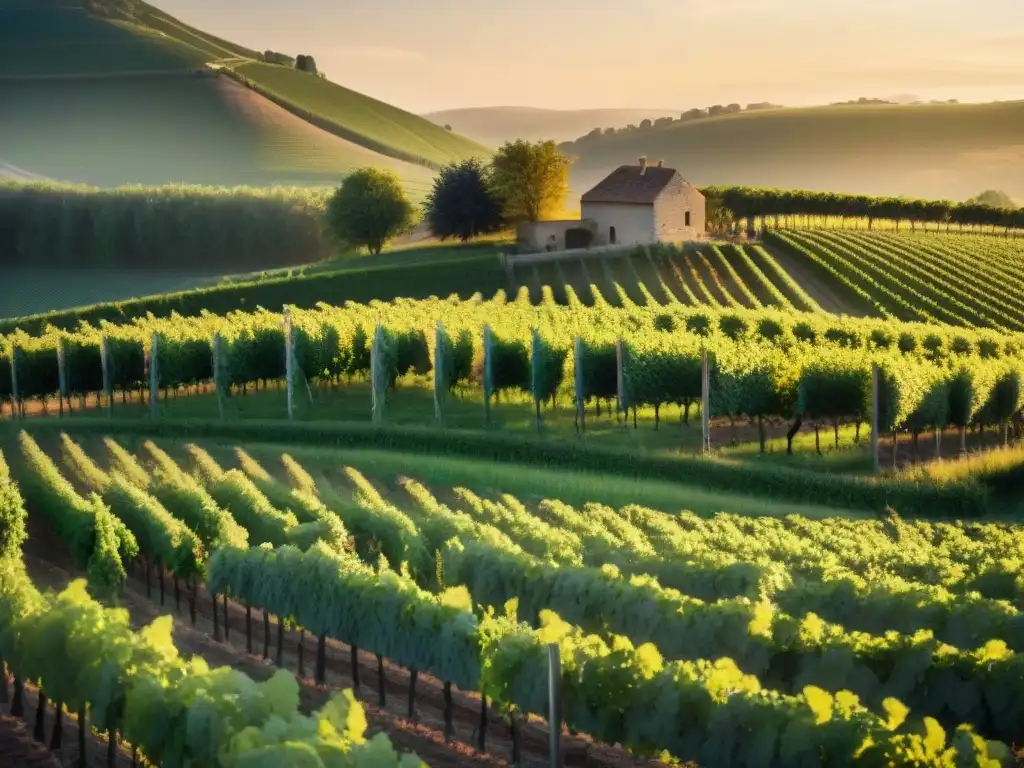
x,y
368,209
532,180
462,203
994,198
305,63
447,127
646,123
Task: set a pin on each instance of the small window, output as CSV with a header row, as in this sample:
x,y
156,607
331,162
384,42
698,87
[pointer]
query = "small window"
x,y
687,218
611,233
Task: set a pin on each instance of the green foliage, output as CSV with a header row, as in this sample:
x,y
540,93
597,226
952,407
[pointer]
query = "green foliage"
x,y
12,514
531,180
462,204
368,210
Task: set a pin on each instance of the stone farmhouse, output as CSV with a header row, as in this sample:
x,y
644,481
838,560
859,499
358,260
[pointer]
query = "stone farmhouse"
x,y
634,205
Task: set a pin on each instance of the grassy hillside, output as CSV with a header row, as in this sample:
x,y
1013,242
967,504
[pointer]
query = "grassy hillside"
x,y
948,150
98,94
494,126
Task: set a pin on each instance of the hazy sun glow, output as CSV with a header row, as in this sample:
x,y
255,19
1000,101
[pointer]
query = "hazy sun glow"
x,y
426,55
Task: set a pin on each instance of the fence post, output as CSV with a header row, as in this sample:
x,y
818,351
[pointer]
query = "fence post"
x,y
620,380
289,364
154,375
440,379
62,376
536,373
578,363
108,383
15,395
488,374
376,384
874,417
554,705
705,403
218,372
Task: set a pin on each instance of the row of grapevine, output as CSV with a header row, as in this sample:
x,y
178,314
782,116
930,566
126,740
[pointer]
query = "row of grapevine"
x,y
88,659
767,371
508,661
765,202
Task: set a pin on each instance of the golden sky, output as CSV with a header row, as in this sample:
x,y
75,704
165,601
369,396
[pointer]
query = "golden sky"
x,y
426,55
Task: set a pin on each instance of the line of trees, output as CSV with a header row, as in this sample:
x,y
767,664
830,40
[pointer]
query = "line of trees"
x,y
782,205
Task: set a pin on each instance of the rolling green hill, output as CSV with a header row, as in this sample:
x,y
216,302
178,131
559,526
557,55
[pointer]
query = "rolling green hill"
x,y
947,150
494,126
110,92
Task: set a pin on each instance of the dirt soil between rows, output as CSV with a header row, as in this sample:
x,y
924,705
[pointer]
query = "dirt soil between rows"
x,y
49,566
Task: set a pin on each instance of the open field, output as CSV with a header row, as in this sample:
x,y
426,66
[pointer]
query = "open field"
x,y
341,515
950,150
102,101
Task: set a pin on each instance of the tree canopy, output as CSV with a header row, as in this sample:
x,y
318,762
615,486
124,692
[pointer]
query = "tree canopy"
x,y
531,179
462,204
994,198
368,209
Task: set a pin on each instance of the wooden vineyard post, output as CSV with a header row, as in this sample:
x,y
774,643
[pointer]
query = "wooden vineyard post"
x,y
874,417
15,395
62,376
154,376
581,395
377,377
620,380
537,373
218,372
440,374
554,705
705,403
108,384
488,374
289,364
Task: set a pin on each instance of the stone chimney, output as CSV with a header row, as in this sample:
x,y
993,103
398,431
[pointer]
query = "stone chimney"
x,y
643,164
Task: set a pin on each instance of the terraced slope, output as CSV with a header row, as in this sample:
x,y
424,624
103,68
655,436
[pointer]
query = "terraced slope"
x,y
969,280
105,92
714,274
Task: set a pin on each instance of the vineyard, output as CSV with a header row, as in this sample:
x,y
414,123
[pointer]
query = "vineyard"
x,y
972,281
732,625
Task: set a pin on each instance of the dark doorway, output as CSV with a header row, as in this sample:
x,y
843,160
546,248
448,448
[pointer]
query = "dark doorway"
x,y
687,219
611,235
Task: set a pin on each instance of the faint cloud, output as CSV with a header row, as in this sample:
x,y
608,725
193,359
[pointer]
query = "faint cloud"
x,y
375,52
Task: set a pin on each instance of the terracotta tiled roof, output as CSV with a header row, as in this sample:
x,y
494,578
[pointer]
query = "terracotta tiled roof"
x,y
627,185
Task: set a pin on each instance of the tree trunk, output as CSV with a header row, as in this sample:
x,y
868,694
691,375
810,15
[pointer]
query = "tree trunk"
x,y
227,623
149,580
963,440
216,621
355,667
266,635
657,415
111,748
160,577
381,695
279,659
302,653
321,660
83,731
514,731
481,731
57,737
39,731
686,412
193,590
835,430
449,714
248,629
938,443
177,594
761,436
413,676
18,703
792,433
817,439
914,443
634,417
4,695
